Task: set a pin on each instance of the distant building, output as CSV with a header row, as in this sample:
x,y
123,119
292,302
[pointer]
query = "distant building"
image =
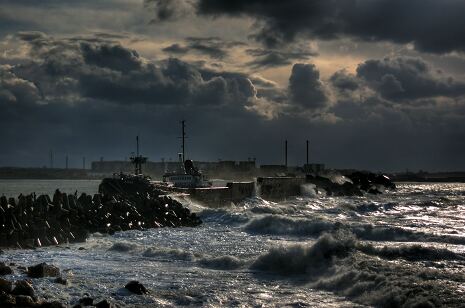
x,y
313,168
270,170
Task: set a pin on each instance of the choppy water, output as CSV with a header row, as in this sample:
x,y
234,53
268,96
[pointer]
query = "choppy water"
x,y
405,248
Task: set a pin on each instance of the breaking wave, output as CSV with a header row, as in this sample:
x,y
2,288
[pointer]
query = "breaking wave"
x,y
222,263
333,263
222,216
299,259
280,225
169,253
213,262
411,252
386,233
123,247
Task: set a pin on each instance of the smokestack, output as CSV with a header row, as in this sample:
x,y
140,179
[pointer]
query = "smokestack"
x,y
285,153
307,152
137,146
51,159
66,162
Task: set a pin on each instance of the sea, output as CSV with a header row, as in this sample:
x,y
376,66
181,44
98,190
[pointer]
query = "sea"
x,y
404,248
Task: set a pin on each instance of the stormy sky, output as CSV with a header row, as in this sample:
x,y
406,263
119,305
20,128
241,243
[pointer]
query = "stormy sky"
x,y
373,84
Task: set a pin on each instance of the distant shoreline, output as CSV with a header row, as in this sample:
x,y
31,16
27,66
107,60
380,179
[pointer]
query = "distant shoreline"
x,y
17,173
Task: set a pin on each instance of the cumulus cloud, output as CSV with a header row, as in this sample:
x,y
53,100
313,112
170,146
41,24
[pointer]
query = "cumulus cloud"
x,y
407,78
14,90
92,94
344,81
108,71
305,88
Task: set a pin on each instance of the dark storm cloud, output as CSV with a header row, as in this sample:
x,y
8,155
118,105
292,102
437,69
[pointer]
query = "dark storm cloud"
x,y
176,49
108,71
267,58
344,81
213,47
91,96
16,91
305,88
113,57
431,25
96,95
405,78
169,9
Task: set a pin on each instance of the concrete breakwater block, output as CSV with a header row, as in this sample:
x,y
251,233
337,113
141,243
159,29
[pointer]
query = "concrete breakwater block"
x,y
33,221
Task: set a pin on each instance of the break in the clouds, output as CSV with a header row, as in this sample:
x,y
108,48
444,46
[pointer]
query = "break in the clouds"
x,y
268,58
373,84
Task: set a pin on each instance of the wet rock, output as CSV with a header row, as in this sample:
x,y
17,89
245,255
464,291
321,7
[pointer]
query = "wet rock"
x,y
104,304
86,301
61,280
23,287
25,301
5,269
43,270
136,287
6,300
5,285
53,304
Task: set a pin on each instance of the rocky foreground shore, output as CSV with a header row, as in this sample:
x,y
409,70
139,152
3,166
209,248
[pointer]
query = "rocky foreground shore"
x,y
21,292
33,221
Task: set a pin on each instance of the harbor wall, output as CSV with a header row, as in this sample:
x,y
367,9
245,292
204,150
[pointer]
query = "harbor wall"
x,y
279,188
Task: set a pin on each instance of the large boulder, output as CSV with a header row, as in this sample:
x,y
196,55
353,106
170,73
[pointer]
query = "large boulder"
x,y
136,287
23,287
5,285
24,301
43,270
5,269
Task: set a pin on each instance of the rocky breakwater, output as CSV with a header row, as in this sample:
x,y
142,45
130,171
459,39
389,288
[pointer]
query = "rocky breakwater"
x,y
124,203
351,184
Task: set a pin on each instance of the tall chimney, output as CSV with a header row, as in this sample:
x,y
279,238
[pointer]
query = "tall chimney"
x,y
285,153
307,152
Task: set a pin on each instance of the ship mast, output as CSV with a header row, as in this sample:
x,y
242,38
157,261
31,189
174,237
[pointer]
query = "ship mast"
x,y
138,159
183,137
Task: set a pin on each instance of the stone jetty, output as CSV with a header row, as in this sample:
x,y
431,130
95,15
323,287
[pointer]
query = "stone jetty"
x,y
125,203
